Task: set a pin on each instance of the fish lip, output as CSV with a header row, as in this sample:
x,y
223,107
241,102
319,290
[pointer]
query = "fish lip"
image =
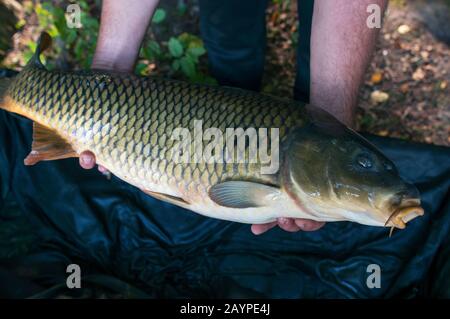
x,y
407,211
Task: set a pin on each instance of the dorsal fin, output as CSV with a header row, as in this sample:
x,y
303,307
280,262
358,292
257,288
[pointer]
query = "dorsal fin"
x,y
44,42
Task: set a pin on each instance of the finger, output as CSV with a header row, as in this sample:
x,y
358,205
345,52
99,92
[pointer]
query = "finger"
x,y
262,228
87,160
308,225
103,169
288,224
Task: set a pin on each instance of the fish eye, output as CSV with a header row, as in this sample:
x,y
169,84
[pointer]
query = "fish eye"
x,y
364,161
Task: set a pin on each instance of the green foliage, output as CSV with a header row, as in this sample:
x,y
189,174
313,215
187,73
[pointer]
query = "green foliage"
x,y
187,62
79,43
181,8
159,16
175,48
180,54
280,2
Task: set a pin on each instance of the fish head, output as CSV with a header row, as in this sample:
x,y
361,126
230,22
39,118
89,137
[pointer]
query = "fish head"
x,y
333,171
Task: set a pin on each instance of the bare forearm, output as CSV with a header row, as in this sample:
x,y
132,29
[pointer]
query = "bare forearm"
x,y
122,28
341,48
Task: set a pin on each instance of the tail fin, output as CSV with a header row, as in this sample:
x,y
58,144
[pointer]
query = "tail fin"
x,y
44,42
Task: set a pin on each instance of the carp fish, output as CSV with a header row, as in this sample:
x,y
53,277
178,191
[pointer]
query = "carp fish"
x,y
325,171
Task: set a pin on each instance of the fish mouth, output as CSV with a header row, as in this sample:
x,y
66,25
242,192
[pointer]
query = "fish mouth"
x,y
408,210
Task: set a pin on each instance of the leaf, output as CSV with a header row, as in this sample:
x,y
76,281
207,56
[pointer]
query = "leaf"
x,y
418,75
181,8
141,68
197,51
71,36
159,16
32,46
379,97
79,48
376,78
190,41
27,55
403,29
84,5
152,50
20,23
194,53
175,48
187,66
176,65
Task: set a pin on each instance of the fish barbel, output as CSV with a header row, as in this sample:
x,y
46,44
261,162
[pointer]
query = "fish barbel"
x,y
316,168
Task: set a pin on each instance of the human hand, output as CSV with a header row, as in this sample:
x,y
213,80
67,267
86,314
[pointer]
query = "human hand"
x,y
288,224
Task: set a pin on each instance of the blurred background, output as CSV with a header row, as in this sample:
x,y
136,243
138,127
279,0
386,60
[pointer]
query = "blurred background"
x,y
405,93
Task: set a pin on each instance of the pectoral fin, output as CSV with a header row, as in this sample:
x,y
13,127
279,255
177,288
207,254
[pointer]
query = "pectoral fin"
x,y
243,194
48,145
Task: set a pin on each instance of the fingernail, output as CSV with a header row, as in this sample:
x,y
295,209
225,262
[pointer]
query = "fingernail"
x,y
87,160
283,220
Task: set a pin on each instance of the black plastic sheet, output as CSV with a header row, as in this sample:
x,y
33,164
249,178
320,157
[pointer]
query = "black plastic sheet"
x,y
112,229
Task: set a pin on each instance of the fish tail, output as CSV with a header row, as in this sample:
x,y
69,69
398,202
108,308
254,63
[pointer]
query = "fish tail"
x,y
44,42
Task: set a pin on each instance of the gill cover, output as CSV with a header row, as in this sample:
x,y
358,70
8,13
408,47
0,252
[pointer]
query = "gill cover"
x,y
304,154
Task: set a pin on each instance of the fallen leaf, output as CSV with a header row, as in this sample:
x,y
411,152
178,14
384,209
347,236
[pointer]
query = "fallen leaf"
x,y
424,55
383,133
418,75
443,85
379,97
403,29
377,77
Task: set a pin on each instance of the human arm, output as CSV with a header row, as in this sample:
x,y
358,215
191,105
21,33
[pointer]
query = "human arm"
x,y
341,48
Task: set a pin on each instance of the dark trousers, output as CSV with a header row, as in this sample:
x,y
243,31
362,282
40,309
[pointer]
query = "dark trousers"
x,y
234,32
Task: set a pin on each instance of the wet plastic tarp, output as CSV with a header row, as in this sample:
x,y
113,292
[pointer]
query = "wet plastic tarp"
x,y
55,214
